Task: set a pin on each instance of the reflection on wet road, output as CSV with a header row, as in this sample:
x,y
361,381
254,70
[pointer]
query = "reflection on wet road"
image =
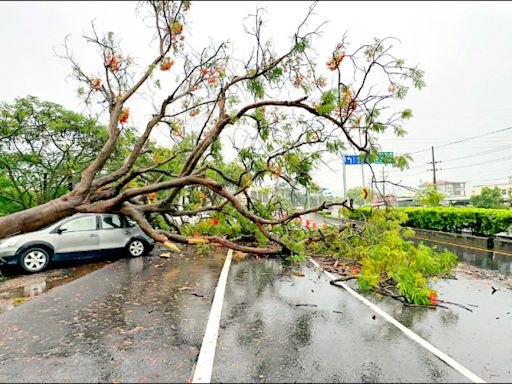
x,y
478,338
25,287
487,259
136,320
283,328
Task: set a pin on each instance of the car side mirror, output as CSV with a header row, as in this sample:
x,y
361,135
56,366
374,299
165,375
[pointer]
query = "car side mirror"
x,y
60,230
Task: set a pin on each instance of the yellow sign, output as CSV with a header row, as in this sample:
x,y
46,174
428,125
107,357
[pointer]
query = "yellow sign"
x,y
365,193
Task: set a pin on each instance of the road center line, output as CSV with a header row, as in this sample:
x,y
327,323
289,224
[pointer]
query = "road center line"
x,y
463,246
204,366
424,343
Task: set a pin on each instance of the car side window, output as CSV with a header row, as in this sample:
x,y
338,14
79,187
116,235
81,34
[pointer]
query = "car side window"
x,y
86,223
111,222
130,222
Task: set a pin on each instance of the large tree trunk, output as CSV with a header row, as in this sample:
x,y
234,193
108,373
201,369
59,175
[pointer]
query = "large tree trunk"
x,y
34,218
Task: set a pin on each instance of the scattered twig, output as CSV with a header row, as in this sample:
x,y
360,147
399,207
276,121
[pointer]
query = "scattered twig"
x,y
343,278
424,306
457,304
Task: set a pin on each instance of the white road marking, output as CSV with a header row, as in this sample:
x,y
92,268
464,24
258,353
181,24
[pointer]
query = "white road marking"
x,y
204,366
424,343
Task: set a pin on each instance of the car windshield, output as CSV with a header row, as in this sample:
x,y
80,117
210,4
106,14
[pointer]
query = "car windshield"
x,y
55,223
50,225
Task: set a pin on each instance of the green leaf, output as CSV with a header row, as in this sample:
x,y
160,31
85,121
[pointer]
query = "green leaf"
x,y
406,113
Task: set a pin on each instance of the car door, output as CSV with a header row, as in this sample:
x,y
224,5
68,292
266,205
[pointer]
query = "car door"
x,y
77,238
113,233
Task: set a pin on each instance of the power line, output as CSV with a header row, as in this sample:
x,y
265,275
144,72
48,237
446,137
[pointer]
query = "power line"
x,y
463,140
479,153
478,164
489,151
475,137
433,139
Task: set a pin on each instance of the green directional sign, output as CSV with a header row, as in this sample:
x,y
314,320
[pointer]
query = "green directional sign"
x,y
384,158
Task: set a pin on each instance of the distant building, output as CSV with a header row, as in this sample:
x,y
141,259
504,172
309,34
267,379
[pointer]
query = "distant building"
x,y
377,201
505,188
451,188
262,194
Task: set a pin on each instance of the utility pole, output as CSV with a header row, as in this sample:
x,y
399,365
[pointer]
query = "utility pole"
x,y
434,165
434,169
383,184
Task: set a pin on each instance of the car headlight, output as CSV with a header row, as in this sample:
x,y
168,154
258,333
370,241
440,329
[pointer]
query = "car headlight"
x,y
8,242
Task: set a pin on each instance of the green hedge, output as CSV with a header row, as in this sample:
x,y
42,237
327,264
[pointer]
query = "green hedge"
x,y
481,221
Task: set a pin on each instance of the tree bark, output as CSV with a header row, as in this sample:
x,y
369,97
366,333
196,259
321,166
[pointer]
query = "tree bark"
x,y
37,217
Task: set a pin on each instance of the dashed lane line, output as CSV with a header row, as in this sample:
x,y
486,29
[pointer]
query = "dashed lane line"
x,y
424,343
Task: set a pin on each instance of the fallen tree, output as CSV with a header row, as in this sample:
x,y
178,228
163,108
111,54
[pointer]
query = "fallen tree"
x,y
276,109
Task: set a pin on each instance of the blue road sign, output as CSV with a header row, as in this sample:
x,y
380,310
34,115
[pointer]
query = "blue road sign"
x,y
352,159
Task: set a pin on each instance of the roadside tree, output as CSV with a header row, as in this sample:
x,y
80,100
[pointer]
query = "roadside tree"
x,y
488,198
429,196
44,149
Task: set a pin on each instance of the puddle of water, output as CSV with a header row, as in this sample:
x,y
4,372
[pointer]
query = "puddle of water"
x,y
19,289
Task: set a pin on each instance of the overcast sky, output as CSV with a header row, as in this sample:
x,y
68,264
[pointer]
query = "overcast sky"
x,y
464,48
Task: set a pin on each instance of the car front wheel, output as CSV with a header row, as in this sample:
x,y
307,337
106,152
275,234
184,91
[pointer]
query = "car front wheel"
x,y
34,260
136,248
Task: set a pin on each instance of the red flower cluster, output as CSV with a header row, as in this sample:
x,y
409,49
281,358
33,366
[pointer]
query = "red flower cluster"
x,y
114,63
123,117
96,84
166,64
212,74
433,298
337,57
214,221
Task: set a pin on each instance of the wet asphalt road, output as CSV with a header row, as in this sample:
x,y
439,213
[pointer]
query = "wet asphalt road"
x,y
143,320
278,327
136,320
479,339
